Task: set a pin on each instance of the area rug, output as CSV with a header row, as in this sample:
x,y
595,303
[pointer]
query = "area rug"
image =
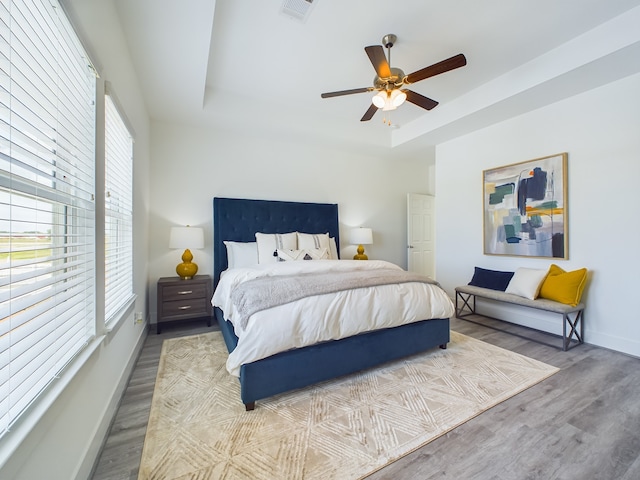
x,y
340,429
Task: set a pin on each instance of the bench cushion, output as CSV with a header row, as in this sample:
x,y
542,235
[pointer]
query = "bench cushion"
x,y
539,303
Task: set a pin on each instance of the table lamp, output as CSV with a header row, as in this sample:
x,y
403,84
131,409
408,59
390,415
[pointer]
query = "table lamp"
x,y
186,237
361,236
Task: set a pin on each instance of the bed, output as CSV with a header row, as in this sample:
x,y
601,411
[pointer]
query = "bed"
x,y
238,220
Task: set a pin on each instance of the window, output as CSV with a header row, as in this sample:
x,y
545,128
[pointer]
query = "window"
x,y
47,213
118,230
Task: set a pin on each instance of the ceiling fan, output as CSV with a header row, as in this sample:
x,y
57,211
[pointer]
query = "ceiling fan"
x,y
389,81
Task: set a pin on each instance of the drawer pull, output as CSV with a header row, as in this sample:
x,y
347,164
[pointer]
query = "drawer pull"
x,y
186,307
185,292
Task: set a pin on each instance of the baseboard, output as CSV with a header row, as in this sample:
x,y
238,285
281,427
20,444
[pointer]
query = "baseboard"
x,y
624,345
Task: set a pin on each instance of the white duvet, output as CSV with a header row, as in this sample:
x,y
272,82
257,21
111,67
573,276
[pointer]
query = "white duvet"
x,y
324,317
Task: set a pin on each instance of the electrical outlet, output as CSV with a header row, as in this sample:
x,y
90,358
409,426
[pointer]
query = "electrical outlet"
x,y
137,318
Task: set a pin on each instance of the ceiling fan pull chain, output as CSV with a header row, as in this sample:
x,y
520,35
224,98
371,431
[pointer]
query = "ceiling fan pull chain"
x,y
386,119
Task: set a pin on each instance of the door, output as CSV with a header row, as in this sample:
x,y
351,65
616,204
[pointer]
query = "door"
x,y
421,234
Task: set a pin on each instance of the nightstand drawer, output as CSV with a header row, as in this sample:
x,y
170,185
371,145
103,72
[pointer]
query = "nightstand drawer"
x,y
194,306
181,292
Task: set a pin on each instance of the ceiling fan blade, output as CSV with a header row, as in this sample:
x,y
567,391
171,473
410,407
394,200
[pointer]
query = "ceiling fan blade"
x,y
368,115
346,92
420,100
452,63
379,61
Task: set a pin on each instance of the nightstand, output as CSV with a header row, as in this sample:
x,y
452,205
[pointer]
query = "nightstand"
x,y
180,300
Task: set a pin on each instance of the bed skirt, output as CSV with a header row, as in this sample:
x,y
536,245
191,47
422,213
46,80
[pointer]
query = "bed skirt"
x,y
301,367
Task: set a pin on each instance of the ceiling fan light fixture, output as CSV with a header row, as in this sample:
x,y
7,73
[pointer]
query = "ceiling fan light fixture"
x,y
388,106
389,100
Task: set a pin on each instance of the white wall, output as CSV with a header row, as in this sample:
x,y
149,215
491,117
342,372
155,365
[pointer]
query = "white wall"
x,y
64,443
600,131
191,165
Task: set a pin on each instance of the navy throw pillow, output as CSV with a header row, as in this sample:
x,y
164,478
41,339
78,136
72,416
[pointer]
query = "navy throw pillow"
x,y
493,279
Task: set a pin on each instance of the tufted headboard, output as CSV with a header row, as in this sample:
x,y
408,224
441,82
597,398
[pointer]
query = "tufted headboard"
x,y
238,220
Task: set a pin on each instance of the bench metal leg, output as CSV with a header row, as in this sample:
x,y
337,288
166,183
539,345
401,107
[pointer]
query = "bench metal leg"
x,y
576,329
465,304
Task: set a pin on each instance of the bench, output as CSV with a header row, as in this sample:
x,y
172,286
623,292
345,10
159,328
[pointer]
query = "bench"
x,y
572,317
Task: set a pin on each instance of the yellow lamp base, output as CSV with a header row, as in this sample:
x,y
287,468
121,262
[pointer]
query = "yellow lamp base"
x,y
360,255
187,269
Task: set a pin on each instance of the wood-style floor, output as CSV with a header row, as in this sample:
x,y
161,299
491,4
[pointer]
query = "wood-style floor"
x,y
581,423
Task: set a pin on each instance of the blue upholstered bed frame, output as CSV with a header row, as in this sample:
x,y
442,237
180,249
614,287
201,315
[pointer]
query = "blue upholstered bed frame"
x,y
238,220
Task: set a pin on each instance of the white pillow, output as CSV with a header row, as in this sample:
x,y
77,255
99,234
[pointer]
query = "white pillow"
x,y
268,243
304,254
333,249
526,282
241,254
308,241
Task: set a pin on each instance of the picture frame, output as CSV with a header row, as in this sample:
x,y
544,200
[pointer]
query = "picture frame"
x,y
525,208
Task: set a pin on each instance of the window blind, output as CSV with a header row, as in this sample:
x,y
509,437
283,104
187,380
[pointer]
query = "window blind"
x,y
118,230
47,215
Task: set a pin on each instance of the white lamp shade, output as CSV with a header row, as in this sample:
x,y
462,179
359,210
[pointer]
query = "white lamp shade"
x,y
379,99
186,237
361,236
397,97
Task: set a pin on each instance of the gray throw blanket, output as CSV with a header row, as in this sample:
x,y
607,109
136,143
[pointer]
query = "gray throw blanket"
x,y
266,292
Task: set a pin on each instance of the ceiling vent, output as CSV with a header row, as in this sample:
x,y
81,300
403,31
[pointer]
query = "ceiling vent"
x,y
298,9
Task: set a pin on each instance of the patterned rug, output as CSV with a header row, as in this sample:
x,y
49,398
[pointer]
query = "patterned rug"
x,y
341,429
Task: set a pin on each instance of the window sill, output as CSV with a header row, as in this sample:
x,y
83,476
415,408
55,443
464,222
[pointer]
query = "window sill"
x,y
112,324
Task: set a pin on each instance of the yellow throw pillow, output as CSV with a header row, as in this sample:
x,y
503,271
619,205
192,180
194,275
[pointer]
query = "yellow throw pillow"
x,y
564,287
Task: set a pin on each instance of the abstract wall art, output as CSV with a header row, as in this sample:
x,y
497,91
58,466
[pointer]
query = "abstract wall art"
x,y
525,208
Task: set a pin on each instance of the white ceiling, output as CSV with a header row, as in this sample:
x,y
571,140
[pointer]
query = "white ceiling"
x,y
244,64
